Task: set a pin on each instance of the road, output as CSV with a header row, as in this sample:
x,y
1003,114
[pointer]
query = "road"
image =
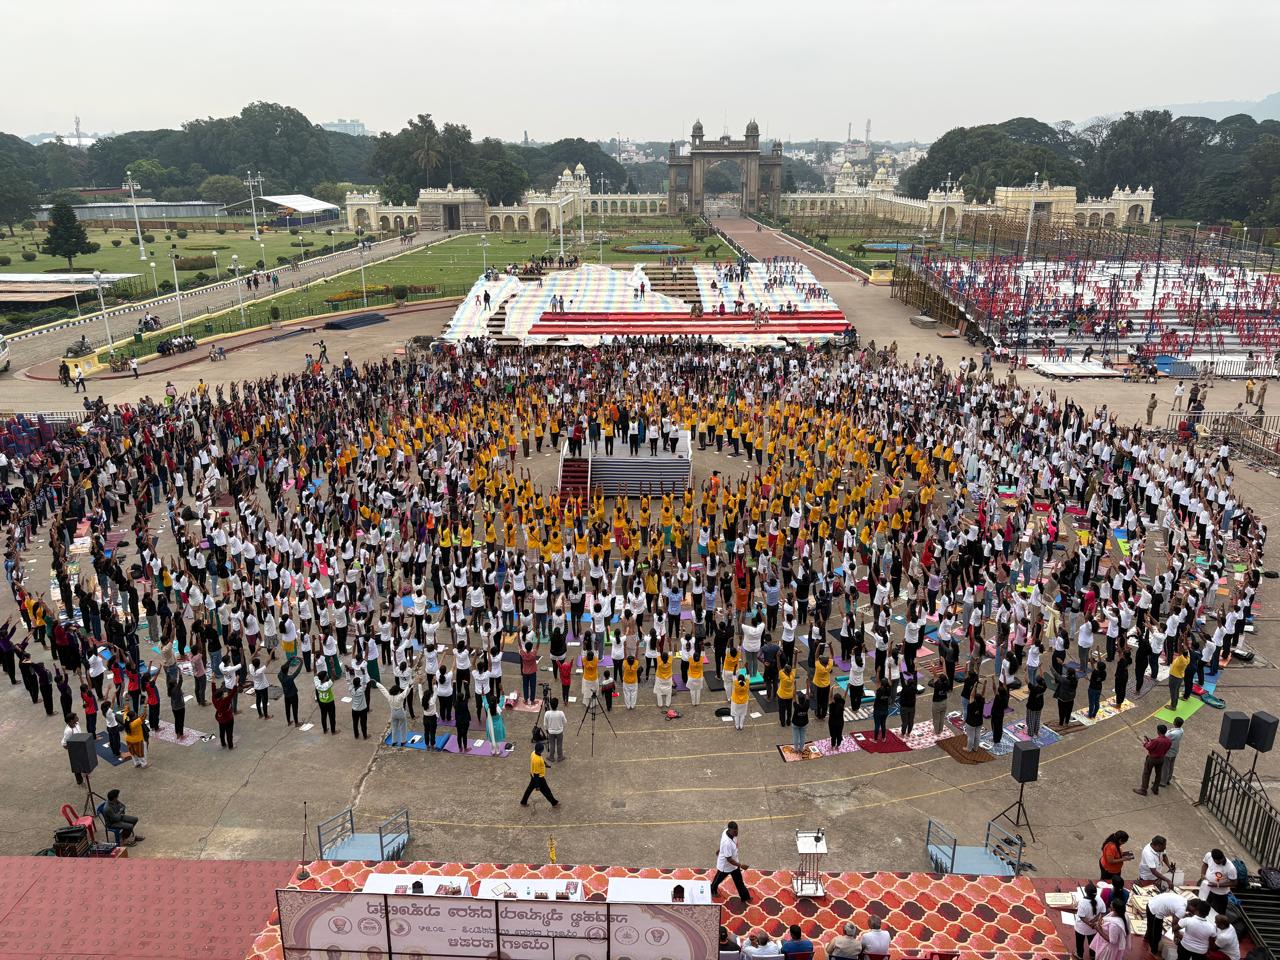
x,y
27,349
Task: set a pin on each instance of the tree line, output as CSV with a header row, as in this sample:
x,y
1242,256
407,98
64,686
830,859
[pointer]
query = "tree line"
x,y
208,158
1201,169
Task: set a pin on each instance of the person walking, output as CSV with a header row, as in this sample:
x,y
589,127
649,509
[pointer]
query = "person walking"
x,y
224,713
538,778
728,866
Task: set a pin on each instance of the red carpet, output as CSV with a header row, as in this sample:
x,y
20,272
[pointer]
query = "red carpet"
x,y
597,324
170,909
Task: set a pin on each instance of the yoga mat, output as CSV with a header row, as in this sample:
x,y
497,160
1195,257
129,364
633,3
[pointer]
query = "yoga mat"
x,y
189,736
893,743
818,750
1186,710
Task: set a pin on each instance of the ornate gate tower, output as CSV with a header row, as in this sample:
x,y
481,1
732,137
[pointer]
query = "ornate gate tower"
x,y
761,173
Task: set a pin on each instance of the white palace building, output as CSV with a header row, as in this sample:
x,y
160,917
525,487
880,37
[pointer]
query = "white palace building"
x,y
463,208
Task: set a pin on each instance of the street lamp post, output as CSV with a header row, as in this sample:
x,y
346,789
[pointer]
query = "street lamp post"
x,y
600,238
217,271
102,305
177,292
235,268
131,184
1031,212
364,290
251,181
484,253
155,282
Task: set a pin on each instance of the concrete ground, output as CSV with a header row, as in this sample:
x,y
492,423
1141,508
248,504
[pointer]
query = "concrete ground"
x,y
655,792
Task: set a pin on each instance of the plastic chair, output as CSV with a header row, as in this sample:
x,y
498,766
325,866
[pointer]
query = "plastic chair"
x,y
69,814
117,832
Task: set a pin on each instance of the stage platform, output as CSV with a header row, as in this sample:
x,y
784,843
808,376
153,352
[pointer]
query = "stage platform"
x,y
592,303
1073,368
226,910
620,472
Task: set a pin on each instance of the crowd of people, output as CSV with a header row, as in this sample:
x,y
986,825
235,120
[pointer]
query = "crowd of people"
x,y
378,527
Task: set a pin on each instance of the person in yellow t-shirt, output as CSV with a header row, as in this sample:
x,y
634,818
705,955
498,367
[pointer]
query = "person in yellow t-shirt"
x,y
739,693
538,779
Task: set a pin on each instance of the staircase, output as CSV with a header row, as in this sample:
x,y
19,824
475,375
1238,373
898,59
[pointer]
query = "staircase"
x,y
575,476
999,856
496,325
684,285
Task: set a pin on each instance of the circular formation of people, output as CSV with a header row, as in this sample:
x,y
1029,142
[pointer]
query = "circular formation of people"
x,y
376,532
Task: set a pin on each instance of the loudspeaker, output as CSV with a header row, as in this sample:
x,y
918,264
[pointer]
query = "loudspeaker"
x,y
80,751
1262,731
1235,730
1026,762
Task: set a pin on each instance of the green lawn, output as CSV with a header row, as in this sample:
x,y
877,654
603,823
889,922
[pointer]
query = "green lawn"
x,y
124,258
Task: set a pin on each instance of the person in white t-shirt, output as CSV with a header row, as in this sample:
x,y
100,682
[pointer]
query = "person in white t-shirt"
x,y
875,942
1226,941
1195,933
1217,877
1154,866
1169,905
728,865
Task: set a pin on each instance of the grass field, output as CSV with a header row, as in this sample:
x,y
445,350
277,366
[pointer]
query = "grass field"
x,y
124,258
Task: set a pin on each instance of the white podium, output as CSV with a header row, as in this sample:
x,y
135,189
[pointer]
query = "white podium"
x,y
811,845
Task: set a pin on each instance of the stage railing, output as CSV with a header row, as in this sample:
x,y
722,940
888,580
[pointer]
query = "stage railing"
x,y
1240,804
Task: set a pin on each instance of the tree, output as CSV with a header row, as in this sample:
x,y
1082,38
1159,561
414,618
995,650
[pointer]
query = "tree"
x,y
222,188
501,181
66,236
17,198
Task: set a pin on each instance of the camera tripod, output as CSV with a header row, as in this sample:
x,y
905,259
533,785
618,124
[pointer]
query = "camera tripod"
x,y
594,709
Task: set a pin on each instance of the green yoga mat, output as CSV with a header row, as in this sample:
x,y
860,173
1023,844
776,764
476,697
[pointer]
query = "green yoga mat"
x,y
1186,708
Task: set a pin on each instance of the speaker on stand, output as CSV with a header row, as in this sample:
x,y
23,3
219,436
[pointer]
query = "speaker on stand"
x,y
1025,769
1262,737
1234,734
84,760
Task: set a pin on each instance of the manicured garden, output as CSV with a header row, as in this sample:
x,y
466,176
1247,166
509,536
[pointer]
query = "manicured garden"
x,y
118,252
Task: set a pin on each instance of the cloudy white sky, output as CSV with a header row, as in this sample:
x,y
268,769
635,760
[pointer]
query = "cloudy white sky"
x,y
646,68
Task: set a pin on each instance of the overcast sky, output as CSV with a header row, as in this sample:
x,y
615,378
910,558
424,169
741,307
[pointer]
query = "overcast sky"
x,y
646,68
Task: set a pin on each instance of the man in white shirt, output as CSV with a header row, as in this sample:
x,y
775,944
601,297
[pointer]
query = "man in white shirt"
x,y
1169,905
875,942
1226,940
727,863
1195,932
553,724
1154,866
759,945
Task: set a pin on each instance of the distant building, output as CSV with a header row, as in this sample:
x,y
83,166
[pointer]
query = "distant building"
x,y
355,128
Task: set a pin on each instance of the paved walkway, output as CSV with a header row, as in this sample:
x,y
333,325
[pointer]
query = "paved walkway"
x,y
27,350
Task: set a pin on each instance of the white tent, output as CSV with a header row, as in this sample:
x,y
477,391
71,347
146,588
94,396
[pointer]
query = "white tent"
x,y
299,203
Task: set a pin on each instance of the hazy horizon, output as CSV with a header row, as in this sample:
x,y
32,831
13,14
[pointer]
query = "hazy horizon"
x,y
566,68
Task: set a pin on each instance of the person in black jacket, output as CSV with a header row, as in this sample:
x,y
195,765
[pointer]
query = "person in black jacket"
x,y
1035,704
288,674
1065,695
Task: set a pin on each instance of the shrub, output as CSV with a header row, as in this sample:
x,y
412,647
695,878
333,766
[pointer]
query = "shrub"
x,y
94,246
201,277
400,291
182,234
302,243
116,242
28,255
294,231
173,246
134,240
274,312
283,261
166,286
195,263
5,261
261,265
149,238
168,237
345,296
221,230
